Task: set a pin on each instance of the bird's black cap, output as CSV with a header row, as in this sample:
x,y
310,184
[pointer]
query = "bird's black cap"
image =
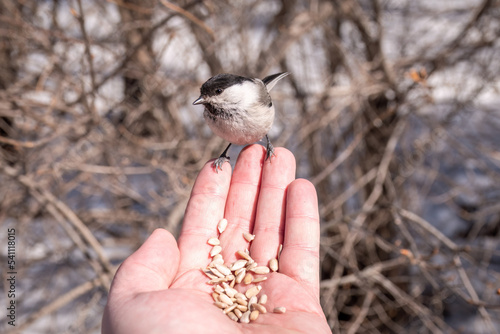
x,y
216,84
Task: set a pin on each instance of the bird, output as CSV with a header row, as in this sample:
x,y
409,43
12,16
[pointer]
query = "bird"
x,y
239,109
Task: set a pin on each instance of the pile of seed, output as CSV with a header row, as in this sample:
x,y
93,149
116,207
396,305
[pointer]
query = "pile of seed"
x,y
242,307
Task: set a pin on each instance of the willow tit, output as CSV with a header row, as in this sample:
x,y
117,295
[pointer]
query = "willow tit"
x,y
239,109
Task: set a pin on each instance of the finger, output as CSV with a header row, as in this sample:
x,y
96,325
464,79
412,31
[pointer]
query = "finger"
x,y
270,216
152,267
204,210
300,256
242,200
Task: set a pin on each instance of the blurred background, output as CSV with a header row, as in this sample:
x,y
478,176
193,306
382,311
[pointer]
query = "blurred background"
x,y
392,110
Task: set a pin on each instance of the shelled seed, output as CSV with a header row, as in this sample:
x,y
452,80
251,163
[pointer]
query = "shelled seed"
x,y
229,309
259,279
224,276
253,291
242,308
248,278
239,264
279,309
240,276
220,305
223,269
252,301
251,265
222,225
254,315
225,299
213,241
232,316
244,255
215,250
245,317
261,308
263,299
261,270
273,265
248,237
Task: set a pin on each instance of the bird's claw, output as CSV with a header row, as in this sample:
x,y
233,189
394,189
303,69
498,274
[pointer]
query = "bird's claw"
x,y
219,162
270,150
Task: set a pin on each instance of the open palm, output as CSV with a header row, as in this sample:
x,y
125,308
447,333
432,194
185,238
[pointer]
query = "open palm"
x,y
160,288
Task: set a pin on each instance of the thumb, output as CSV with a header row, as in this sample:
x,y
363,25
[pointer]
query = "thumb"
x,y
152,267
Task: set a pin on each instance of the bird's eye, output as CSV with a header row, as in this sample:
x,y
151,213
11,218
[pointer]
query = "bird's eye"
x,y
218,91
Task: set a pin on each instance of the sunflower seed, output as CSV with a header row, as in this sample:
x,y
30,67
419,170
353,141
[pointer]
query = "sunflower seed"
x,y
248,278
229,308
263,299
236,272
218,289
209,274
215,296
225,299
238,312
253,291
279,309
214,241
241,301
217,259
220,305
259,279
232,316
213,263
254,315
215,250
242,308
217,273
252,301
261,270
222,225
248,237
239,295
216,280
240,276
223,269
245,317
230,292
260,308
251,265
244,255
239,264
273,265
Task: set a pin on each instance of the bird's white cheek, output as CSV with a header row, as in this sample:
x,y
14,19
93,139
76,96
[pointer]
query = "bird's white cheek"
x,y
244,95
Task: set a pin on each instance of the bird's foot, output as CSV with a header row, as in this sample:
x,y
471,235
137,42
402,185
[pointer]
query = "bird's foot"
x,y
221,159
219,162
270,149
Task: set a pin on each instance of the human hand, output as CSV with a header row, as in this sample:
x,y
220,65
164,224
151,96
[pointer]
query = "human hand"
x,y
160,288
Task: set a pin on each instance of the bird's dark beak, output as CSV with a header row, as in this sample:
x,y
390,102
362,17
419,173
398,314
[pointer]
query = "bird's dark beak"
x,y
200,100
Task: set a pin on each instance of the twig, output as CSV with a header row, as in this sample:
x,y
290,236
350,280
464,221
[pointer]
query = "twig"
x,y
429,228
57,304
370,295
473,294
188,16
